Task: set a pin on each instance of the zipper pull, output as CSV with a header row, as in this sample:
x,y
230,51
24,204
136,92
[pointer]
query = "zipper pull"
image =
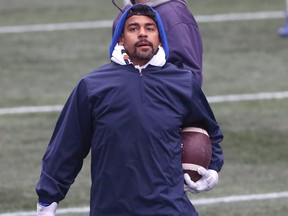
x,y
139,69
140,72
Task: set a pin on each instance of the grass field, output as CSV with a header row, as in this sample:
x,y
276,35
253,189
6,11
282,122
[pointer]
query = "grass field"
x,y
240,57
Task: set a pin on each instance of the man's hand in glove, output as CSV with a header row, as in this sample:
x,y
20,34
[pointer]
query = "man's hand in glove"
x,y
208,180
49,210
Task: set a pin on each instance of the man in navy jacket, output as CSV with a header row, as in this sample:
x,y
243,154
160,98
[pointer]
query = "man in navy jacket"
x,y
183,35
129,114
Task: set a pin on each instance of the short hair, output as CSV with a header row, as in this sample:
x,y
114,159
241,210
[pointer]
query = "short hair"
x,y
143,10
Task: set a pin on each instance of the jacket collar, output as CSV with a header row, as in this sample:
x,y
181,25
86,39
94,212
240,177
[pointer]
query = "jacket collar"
x,y
119,56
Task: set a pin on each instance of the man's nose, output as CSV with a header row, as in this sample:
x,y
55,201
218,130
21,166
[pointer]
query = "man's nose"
x,y
142,32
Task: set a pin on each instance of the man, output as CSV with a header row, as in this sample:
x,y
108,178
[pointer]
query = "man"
x,y
129,114
183,35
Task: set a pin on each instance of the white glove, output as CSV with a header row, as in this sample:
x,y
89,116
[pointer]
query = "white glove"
x,y
208,180
47,210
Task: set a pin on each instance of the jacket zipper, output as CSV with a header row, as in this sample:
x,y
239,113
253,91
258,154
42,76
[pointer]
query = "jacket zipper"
x,y
141,84
140,72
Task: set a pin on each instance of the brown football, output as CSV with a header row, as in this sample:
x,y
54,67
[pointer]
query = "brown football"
x,y
196,151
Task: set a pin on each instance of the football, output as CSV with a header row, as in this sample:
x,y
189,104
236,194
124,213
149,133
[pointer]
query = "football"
x,y
196,151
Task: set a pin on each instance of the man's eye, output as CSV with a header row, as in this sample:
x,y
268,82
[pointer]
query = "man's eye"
x,y
132,29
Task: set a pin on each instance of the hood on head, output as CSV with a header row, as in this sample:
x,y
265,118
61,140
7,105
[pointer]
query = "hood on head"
x,y
140,9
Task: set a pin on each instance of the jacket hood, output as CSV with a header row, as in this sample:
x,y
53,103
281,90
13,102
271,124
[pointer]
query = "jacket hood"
x,y
155,3
149,11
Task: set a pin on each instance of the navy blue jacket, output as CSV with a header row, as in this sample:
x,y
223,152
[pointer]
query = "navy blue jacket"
x,y
131,122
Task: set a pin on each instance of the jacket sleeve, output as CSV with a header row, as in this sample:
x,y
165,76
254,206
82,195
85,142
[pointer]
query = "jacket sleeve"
x,y
201,115
69,145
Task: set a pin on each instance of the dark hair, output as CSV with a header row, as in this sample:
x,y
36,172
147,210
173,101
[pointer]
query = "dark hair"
x,y
133,1
140,9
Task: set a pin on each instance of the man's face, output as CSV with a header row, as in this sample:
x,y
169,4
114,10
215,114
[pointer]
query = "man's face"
x,y
140,39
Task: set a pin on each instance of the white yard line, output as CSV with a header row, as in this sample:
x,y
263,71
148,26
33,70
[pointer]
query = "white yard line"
x,y
212,99
56,26
108,23
247,97
240,16
208,201
240,198
30,109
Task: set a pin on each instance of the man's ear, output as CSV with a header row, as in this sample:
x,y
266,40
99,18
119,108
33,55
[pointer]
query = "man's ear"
x,y
121,40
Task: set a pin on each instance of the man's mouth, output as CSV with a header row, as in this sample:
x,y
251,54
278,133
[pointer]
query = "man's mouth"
x,y
143,44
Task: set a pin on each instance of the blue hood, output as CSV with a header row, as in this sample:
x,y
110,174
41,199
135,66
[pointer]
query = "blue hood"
x,y
119,29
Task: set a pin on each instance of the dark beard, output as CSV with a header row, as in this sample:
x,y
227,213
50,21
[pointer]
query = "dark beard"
x,y
141,56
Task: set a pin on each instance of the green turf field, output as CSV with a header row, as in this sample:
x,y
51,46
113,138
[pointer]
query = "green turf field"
x,y
240,57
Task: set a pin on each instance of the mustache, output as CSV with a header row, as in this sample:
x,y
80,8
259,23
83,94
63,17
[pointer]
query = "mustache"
x,y
143,42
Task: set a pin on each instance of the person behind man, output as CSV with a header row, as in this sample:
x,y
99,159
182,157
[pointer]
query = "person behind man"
x,y
183,35
129,114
